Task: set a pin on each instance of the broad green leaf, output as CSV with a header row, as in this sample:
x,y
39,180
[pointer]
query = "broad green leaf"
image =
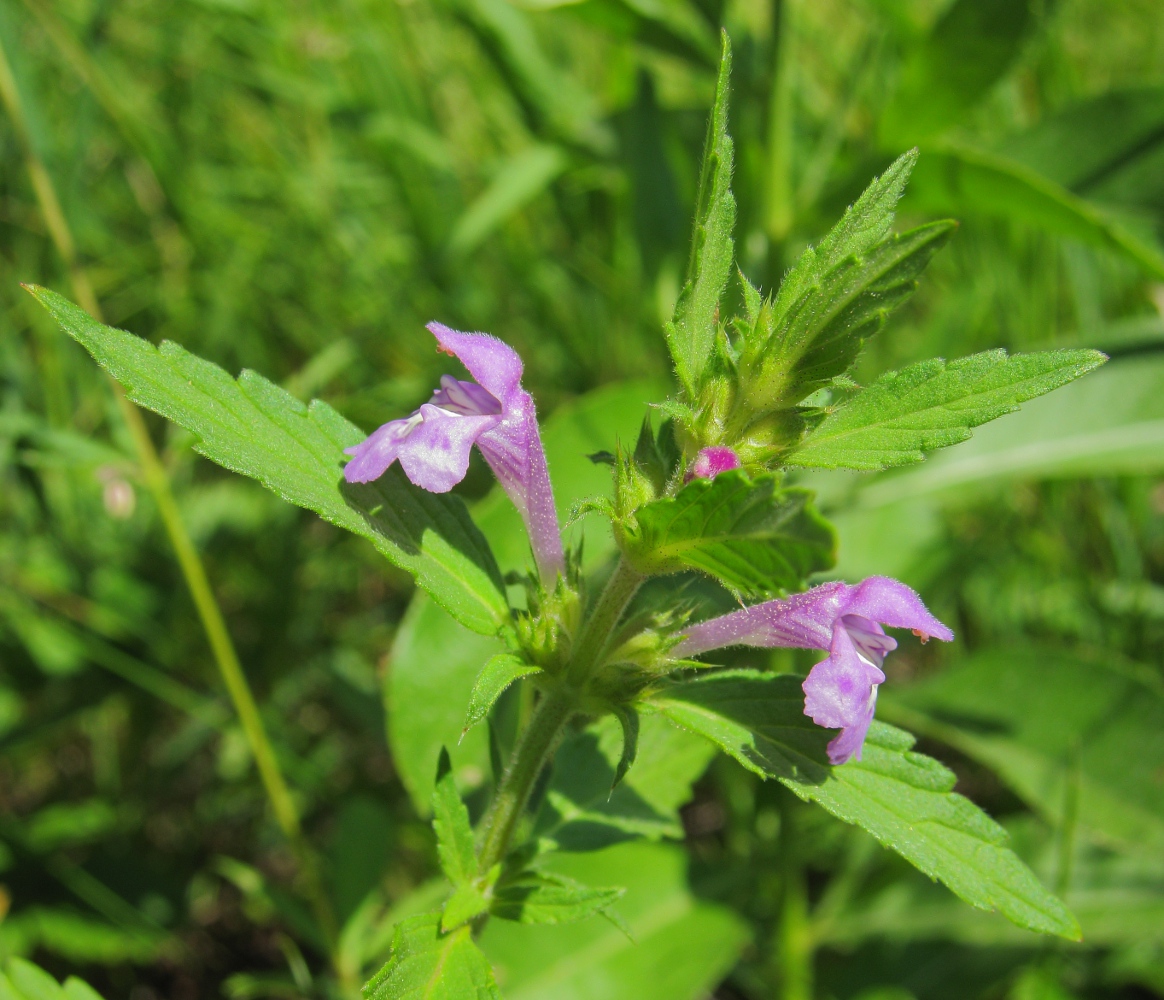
x,y
450,820
1045,721
682,947
498,673
969,49
435,661
1086,145
253,427
581,812
691,333
903,798
519,180
31,982
934,404
1110,423
962,180
533,897
746,533
820,335
427,964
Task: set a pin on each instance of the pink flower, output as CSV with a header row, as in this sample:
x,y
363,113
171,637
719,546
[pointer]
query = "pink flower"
x,y
841,690
494,413
710,462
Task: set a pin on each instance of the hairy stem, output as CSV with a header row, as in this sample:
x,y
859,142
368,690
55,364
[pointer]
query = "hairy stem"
x,y
535,747
154,475
595,633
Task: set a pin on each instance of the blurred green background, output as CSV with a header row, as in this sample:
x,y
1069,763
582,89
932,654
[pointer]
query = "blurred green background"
x,y
296,188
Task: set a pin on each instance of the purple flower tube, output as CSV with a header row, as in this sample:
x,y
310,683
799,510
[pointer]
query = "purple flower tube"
x,y
494,413
841,691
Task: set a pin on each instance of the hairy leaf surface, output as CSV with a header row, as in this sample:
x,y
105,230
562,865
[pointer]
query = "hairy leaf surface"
x,y
691,334
748,534
934,404
427,964
903,798
253,427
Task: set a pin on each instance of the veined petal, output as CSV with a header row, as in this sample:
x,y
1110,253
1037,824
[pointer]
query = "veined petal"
x,y
492,362
435,455
840,690
803,621
892,603
372,456
513,449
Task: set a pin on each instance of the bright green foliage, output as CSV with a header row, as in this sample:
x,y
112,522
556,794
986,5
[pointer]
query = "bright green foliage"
x,y
428,964
691,335
451,822
819,332
748,534
22,980
253,427
533,897
679,946
1053,724
933,404
903,798
498,673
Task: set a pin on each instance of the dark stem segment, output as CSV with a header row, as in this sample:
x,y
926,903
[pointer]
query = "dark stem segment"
x,y
534,749
595,633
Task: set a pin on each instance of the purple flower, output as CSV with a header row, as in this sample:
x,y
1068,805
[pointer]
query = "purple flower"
x,y
494,413
841,690
710,462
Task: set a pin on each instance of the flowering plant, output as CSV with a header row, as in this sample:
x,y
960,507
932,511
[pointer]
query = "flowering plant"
x,y
705,493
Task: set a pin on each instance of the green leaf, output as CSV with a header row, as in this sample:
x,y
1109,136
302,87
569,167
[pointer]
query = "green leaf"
x,y
499,672
970,48
253,427
753,537
533,897
31,982
934,404
963,180
903,798
1048,721
450,820
427,964
682,947
821,333
581,812
1110,423
628,720
1087,145
692,332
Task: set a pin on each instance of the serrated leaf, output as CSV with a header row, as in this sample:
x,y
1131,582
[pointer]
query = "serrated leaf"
x,y
499,672
427,964
467,902
450,820
903,798
748,534
691,333
934,404
821,333
255,428
533,897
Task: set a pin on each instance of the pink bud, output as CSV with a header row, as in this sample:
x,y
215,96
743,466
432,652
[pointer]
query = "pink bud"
x,y
710,462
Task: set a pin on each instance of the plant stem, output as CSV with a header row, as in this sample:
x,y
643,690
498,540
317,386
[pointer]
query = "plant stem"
x,y
154,475
534,749
595,633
